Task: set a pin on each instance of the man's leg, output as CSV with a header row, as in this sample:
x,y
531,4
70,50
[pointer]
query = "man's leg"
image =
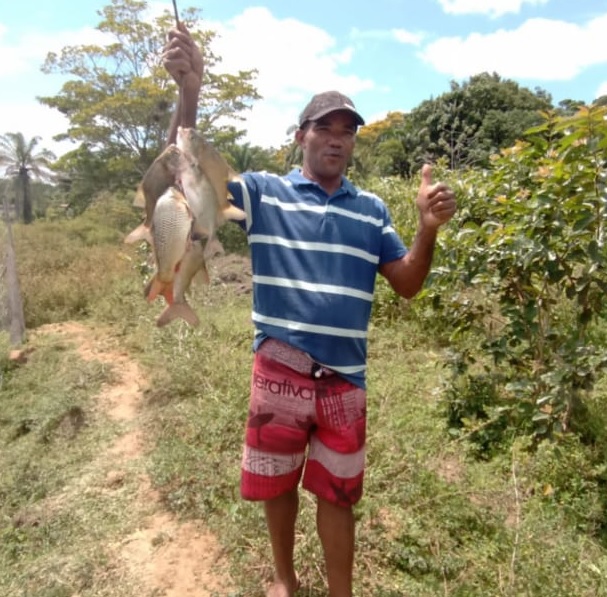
x,y
281,514
336,531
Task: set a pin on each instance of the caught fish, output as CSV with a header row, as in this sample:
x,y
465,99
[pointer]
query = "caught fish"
x,y
157,179
170,229
204,175
192,263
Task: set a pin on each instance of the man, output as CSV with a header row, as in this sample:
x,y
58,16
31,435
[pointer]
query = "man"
x,y
316,244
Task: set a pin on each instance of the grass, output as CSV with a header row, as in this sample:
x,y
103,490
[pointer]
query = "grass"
x,y
51,432
434,520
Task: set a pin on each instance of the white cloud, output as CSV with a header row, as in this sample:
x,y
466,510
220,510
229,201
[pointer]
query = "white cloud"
x,y
400,35
11,59
33,119
294,60
29,53
540,49
20,76
493,8
407,37
602,90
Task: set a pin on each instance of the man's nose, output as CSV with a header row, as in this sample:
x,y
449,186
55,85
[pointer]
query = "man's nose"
x,y
336,140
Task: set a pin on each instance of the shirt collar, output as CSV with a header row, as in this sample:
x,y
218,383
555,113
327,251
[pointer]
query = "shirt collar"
x,y
298,179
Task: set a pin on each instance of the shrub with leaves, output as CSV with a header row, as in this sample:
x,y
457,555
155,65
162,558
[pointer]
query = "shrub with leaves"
x,y
522,280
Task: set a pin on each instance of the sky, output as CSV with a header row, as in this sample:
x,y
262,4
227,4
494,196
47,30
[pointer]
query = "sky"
x,y
386,55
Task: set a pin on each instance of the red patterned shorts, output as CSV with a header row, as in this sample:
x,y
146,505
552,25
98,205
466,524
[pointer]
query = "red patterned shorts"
x,y
295,406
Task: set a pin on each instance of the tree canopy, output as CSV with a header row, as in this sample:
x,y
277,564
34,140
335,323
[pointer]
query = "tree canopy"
x,y
465,126
119,98
24,162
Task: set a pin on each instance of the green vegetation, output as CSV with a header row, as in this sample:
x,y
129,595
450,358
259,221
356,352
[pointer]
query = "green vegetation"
x,y
523,278
23,163
486,446
487,450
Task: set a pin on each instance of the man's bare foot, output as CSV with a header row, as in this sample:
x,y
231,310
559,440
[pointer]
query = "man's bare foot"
x,y
283,589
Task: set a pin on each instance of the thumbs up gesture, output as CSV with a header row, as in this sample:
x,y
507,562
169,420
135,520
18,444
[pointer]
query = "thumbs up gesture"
x,y
435,201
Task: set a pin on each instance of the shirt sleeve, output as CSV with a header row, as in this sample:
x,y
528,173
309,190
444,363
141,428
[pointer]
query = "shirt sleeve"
x,y
392,246
245,193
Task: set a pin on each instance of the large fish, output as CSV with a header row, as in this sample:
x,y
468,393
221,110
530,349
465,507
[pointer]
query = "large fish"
x,y
170,229
192,263
204,175
157,179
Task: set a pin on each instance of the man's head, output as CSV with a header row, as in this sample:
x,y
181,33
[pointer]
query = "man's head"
x,y
326,135
324,103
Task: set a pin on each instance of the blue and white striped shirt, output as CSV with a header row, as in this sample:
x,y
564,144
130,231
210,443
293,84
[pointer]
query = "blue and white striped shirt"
x,y
314,260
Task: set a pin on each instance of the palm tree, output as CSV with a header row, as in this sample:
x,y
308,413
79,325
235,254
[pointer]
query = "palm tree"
x,y
249,158
23,163
241,157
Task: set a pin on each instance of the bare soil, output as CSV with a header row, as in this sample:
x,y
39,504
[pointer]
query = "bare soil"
x,y
164,556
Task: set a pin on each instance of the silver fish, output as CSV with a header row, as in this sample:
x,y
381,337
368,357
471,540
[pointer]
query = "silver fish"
x,y
170,228
191,264
204,175
157,179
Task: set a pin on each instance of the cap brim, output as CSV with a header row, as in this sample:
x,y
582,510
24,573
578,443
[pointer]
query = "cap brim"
x,y
357,117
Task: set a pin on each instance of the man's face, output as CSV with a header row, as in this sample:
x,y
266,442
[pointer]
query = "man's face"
x,y
327,144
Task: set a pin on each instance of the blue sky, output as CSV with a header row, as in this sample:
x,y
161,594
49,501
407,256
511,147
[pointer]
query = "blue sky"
x,y
385,54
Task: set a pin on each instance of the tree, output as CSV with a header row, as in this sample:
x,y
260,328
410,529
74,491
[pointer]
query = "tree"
x,y
290,156
569,107
119,98
245,157
385,148
477,118
600,101
22,161
522,284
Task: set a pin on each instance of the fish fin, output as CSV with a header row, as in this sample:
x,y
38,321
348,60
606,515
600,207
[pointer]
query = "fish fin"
x,y
155,287
142,232
202,277
234,176
233,213
181,310
213,248
198,232
139,200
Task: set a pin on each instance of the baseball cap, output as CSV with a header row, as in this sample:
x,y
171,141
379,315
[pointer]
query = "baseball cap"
x,y
329,101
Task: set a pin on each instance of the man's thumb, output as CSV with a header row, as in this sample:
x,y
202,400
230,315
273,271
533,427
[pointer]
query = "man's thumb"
x,y
426,175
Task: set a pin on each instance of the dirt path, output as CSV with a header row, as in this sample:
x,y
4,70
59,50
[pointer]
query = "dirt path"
x,y
165,556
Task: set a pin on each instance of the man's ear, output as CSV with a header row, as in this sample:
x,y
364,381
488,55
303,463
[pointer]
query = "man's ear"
x,y
299,135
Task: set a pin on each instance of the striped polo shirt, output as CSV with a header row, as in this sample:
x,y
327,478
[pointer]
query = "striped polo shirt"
x,y
314,259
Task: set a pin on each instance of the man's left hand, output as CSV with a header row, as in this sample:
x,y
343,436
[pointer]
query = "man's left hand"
x,y
435,201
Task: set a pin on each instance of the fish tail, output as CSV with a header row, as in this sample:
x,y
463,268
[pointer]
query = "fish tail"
x,y
178,310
